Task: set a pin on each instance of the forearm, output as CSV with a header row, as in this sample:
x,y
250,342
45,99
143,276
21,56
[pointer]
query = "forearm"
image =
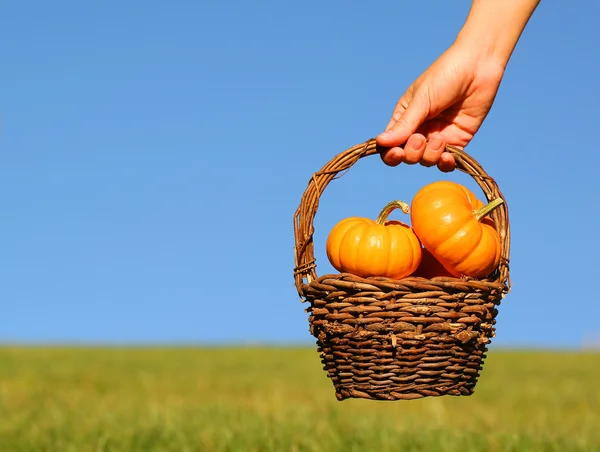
x,y
493,27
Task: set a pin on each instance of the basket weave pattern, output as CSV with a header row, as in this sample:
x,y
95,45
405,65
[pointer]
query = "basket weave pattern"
x,y
387,339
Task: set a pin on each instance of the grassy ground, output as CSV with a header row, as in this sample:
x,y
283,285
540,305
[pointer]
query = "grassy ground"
x,y
65,400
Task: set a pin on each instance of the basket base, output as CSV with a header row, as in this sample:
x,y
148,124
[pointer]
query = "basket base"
x,y
432,370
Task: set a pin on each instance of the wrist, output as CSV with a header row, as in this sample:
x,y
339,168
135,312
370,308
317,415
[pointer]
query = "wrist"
x,y
493,28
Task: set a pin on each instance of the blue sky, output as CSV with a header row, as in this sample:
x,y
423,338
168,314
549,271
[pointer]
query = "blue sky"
x,y
152,156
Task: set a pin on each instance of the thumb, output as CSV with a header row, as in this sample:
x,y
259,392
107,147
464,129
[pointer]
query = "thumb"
x,y
408,123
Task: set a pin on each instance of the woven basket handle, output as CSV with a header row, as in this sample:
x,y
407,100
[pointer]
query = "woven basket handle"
x,y
305,262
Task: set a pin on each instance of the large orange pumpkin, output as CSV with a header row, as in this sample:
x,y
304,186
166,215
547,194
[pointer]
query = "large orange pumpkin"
x,y
366,247
450,222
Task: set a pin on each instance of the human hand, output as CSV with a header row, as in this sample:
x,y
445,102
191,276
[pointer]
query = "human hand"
x,y
450,100
445,105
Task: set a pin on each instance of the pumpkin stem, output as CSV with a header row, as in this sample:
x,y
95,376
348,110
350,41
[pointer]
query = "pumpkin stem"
x,y
382,218
487,209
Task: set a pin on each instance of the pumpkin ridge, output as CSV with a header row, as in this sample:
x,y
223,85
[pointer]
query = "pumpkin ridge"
x,y
450,238
401,244
493,233
349,224
464,223
341,249
378,247
471,251
469,200
470,197
392,247
405,260
417,257
355,256
445,209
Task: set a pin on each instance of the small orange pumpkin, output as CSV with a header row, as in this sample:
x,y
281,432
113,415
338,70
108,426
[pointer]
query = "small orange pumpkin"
x,y
367,248
450,222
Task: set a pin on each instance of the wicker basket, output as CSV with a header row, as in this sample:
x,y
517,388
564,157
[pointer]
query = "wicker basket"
x,y
387,339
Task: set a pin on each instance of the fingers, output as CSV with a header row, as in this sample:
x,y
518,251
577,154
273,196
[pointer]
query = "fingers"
x,y
435,154
405,121
414,149
393,156
446,163
420,150
412,153
433,151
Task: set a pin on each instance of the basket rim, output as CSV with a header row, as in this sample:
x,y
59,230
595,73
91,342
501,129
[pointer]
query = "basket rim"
x,y
304,259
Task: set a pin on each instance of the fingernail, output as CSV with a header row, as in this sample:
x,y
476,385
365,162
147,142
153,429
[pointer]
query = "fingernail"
x,y
417,142
436,143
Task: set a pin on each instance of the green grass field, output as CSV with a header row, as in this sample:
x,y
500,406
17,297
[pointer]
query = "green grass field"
x,y
59,399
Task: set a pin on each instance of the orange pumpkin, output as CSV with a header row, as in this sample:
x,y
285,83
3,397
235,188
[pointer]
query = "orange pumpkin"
x,y
430,267
450,222
366,247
